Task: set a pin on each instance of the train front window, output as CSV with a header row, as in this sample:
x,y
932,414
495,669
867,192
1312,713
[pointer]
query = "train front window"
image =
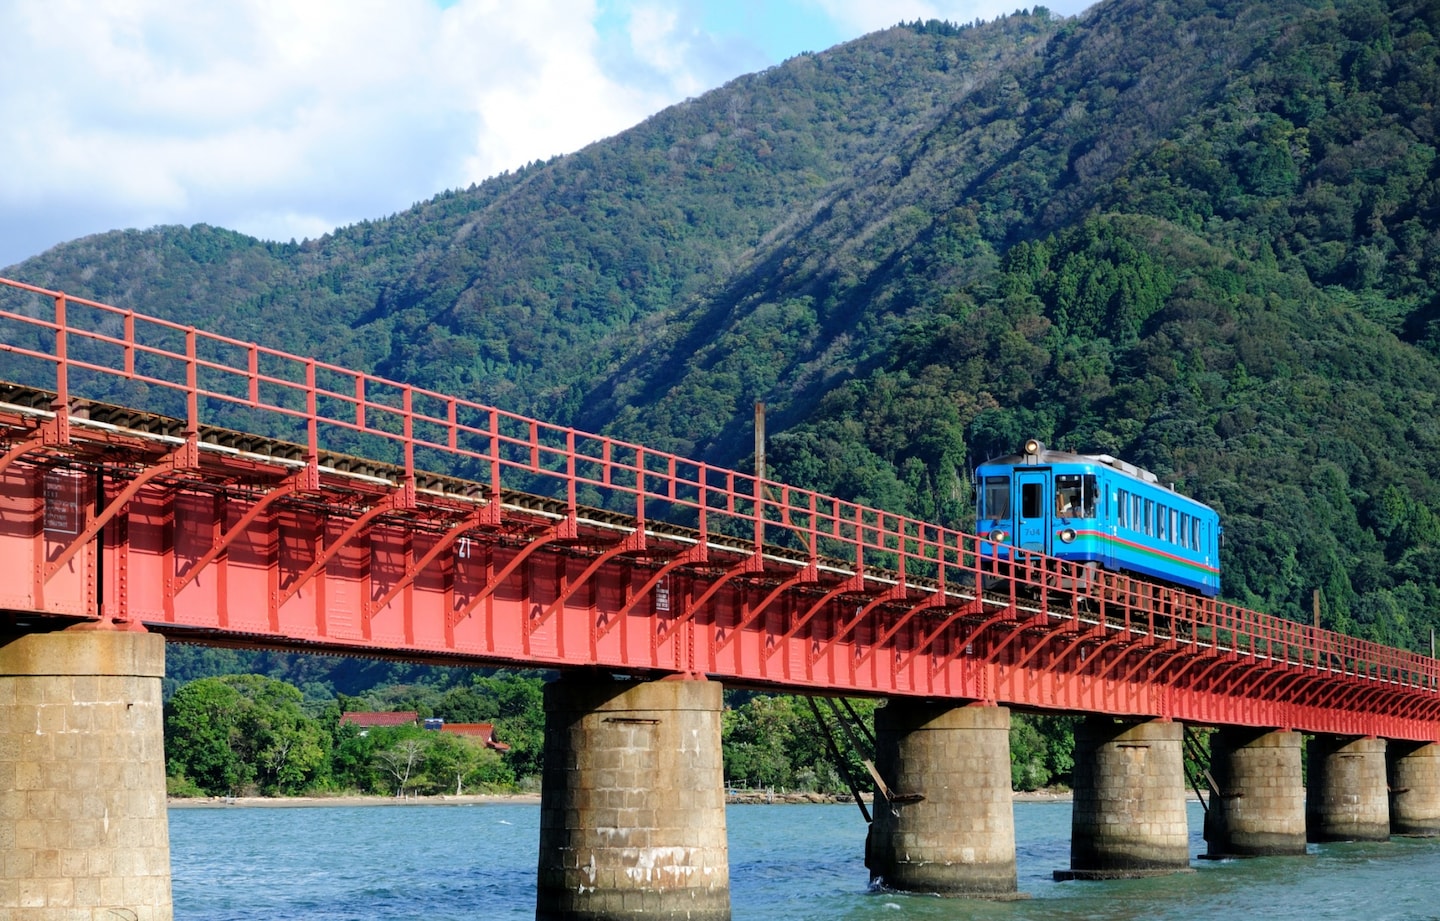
x,y
995,498
1075,495
1032,500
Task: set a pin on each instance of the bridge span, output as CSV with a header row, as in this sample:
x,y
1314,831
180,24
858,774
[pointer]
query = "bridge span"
x,y
159,482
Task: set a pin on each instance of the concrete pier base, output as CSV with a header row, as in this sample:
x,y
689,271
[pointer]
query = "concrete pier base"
x,y
951,828
632,813
1414,772
1260,809
1129,811
1347,798
83,825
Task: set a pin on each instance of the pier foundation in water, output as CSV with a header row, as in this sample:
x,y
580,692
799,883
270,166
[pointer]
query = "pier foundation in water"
x,y
1414,773
84,831
949,825
1128,816
632,802
1347,797
1259,809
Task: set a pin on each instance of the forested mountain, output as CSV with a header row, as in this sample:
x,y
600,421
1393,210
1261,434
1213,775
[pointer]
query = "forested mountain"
x,y
1198,234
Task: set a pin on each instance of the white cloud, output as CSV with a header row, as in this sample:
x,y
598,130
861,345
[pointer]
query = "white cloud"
x,y
285,119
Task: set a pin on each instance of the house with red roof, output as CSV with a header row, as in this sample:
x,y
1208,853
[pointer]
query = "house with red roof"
x,y
484,732
367,719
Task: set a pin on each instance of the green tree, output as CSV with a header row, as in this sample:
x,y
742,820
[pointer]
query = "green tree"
x,y
201,736
754,740
352,759
230,733
452,762
399,757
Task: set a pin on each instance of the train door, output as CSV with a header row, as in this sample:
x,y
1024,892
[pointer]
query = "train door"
x,y
1032,521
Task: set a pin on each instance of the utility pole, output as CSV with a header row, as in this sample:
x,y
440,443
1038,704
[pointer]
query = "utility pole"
x,y
759,440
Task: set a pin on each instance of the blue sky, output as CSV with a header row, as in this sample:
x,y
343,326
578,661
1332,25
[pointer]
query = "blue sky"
x,y
287,120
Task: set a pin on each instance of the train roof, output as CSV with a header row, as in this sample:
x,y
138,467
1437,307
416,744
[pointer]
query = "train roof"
x,y
1047,456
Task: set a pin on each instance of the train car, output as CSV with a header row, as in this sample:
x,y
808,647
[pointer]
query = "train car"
x,y
1092,508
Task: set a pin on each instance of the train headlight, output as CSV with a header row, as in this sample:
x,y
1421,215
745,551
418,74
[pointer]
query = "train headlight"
x,y
1067,535
1032,446
1000,536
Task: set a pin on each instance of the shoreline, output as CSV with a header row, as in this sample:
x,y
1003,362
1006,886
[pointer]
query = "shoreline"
x,y
749,797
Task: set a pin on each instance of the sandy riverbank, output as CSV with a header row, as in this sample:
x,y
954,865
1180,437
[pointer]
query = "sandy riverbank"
x,y
480,799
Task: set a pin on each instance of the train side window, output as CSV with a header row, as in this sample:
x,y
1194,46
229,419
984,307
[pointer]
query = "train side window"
x,y
996,497
1122,508
1195,533
1075,495
1032,500
1174,527
1068,498
1184,532
1160,518
1150,517
1137,513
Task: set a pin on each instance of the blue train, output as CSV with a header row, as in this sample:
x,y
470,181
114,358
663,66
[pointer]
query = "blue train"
x,y
1092,508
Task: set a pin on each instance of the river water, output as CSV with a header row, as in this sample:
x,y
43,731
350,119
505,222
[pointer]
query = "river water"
x,y
787,863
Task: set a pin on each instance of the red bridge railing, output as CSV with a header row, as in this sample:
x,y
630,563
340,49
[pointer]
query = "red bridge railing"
x,y
84,349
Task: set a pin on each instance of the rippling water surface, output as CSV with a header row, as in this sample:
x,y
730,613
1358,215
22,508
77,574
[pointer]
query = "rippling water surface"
x,y
787,863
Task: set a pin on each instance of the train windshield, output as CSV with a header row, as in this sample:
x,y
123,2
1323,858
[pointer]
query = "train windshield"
x,y
1075,495
995,497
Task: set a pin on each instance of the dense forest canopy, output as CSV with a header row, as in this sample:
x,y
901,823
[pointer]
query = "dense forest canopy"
x,y
1201,235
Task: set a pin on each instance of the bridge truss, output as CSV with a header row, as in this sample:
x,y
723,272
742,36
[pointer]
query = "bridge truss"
x,y
267,500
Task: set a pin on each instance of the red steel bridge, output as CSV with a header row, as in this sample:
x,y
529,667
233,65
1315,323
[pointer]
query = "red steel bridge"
x,y
154,476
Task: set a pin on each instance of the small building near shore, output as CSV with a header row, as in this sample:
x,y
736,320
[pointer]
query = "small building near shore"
x,y
369,719
482,732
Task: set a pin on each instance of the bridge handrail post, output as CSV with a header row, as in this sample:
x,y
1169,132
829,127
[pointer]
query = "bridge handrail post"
x,y
62,359
312,411
702,502
859,539
192,383
902,542
129,337
252,371
407,405
814,535
571,498
640,487
495,455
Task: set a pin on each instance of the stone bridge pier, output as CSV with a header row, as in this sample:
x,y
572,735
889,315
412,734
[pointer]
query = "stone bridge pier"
x,y
632,802
1347,798
1413,769
1128,816
1259,809
949,827
83,826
